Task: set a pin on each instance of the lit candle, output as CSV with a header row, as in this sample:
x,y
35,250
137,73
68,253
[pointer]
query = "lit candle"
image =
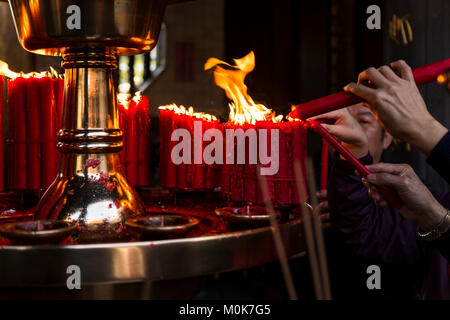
x,y
186,175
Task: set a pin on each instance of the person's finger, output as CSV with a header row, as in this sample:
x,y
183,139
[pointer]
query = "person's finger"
x,y
362,91
404,69
333,115
387,179
376,77
388,73
391,168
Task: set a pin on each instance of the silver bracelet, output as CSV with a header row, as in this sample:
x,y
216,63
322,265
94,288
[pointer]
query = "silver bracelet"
x,y
437,231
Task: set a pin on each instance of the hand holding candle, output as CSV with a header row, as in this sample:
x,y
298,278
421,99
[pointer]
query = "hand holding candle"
x,y
388,194
344,99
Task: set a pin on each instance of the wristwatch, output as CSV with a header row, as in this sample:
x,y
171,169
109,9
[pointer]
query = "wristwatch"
x,y
438,231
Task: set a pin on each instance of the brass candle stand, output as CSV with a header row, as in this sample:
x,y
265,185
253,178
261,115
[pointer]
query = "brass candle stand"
x,y
89,35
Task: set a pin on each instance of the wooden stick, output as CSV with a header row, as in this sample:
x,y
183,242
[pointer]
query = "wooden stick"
x,y
309,235
277,238
318,231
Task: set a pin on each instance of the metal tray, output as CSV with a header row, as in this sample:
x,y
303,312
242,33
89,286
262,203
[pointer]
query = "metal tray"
x,y
26,266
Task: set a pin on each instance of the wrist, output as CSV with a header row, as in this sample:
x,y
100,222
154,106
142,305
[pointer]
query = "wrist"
x,y
426,140
432,218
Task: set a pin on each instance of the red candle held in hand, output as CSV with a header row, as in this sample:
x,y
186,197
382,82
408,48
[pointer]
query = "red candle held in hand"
x,y
388,194
344,99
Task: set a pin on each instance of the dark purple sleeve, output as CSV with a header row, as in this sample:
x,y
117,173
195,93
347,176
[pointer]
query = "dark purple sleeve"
x,y
373,232
443,243
439,157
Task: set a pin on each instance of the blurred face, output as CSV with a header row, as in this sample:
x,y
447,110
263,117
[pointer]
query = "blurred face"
x,y
378,139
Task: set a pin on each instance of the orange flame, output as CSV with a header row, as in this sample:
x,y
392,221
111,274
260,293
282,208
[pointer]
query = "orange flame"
x,y
125,98
188,111
242,108
5,71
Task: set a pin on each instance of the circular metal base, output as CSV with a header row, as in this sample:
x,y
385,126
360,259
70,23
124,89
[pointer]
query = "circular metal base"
x,y
26,266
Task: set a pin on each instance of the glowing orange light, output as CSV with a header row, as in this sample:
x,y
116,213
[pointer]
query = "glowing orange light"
x,y
188,111
5,71
242,108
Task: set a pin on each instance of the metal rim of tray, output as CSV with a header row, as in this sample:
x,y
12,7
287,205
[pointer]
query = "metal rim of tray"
x,y
146,260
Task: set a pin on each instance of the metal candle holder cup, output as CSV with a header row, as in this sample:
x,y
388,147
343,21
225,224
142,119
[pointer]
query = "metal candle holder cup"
x,y
90,187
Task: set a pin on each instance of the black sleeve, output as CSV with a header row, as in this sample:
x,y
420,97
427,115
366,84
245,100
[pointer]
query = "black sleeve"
x,y
439,157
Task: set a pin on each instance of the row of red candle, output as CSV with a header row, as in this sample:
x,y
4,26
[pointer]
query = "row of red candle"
x,y
191,175
240,181
34,118
134,121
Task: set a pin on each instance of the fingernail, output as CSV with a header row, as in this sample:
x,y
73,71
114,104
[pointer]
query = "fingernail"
x,y
372,177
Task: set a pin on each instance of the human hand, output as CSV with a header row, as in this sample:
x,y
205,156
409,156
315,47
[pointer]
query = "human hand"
x,y
420,206
324,213
345,127
398,105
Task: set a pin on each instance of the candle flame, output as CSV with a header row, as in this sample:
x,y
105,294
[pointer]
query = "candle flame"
x,y
5,71
188,111
125,99
242,108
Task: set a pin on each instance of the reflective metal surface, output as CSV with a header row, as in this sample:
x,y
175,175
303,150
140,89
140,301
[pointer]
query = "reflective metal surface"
x,y
38,232
90,187
128,26
145,261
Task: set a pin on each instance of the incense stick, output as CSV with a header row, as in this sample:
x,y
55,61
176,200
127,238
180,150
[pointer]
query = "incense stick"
x,y
309,236
277,238
318,231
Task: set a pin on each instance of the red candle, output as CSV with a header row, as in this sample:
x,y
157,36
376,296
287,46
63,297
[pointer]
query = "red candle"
x,y
198,173
47,131
132,144
167,169
143,123
324,166
122,106
33,135
388,194
283,177
17,133
344,99
58,87
186,175
2,146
